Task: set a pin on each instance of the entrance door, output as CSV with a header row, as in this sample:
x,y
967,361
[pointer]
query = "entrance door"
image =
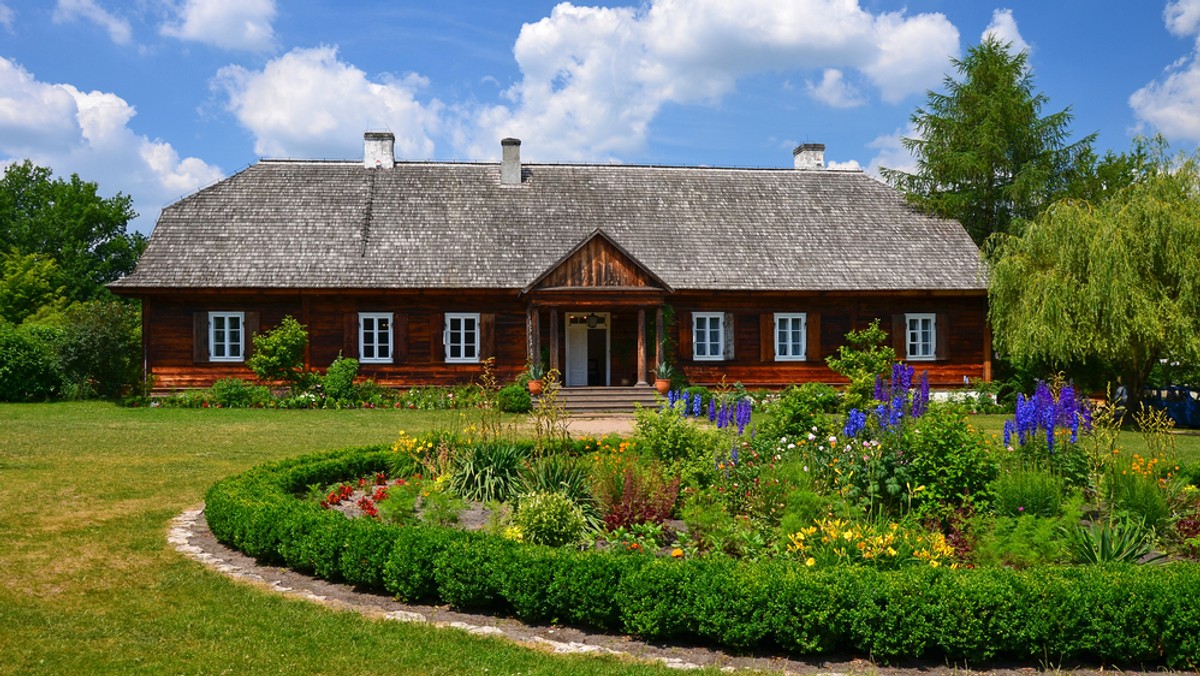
x,y
587,349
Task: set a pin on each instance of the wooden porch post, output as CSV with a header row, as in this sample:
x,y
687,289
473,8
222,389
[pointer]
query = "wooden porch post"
x,y
641,347
554,340
659,338
529,334
987,352
535,355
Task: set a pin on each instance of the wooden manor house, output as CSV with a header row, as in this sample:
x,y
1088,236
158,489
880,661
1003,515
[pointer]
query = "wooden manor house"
x,y
421,270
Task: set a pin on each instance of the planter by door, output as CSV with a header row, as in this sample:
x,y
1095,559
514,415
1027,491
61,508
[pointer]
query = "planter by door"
x,y
662,385
535,387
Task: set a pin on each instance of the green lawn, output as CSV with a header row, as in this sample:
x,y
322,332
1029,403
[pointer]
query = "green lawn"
x,y
89,585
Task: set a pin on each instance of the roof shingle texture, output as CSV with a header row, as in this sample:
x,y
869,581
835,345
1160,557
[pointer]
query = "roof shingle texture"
x,y
282,224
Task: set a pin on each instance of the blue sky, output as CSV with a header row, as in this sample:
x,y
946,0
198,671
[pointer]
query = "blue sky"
x,y
158,98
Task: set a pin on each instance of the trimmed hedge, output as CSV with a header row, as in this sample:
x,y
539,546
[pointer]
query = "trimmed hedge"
x,y
1122,614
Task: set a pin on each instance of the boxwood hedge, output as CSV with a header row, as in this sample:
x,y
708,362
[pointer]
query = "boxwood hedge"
x,y
1115,614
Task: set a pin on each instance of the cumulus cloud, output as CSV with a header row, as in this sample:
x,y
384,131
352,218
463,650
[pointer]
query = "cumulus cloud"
x,y
7,16
1171,103
592,78
88,133
89,10
1183,17
228,24
1004,28
834,91
891,153
309,103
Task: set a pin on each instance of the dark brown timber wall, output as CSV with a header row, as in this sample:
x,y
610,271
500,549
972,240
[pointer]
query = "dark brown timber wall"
x,y
174,361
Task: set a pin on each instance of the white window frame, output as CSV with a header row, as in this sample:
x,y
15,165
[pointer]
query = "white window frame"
x,y
369,338
718,341
912,339
782,351
463,344
226,343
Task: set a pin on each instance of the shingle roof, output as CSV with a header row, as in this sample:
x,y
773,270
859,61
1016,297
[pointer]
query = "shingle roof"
x,y
282,224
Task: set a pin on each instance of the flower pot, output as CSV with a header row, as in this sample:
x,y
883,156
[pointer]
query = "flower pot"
x,y
535,387
662,385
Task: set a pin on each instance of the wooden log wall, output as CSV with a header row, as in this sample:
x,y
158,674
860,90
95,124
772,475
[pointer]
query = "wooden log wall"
x,y
418,318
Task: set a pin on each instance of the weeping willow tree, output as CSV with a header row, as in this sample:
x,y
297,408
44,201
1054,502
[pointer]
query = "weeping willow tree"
x,y
1116,280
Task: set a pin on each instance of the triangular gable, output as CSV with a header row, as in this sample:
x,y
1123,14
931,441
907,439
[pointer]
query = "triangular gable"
x,y
597,262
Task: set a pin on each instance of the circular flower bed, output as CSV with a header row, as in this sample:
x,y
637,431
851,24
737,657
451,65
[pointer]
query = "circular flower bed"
x,y
1119,613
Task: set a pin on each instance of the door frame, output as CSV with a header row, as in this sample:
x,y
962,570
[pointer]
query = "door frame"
x,y
569,345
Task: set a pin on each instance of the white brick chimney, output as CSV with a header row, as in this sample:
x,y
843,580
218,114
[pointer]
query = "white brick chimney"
x,y
379,150
510,162
809,156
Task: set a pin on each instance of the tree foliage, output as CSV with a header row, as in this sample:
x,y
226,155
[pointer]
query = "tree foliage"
x,y
1113,281
30,284
279,354
67,220
865,355
985,154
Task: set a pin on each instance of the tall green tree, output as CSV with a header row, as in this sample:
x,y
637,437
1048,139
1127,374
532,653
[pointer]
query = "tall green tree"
x,y
985,153
1114,281
68,220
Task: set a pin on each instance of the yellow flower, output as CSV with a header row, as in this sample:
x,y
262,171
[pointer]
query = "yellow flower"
x,y
677,552
810,562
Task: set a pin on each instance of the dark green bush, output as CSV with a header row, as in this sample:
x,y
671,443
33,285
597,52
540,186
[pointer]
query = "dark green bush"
x,y
1121,614
514,399
950,460
339,379
237,393
28,368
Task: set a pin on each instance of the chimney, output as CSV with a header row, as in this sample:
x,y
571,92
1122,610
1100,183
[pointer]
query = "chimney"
x,y
510,163
809,156
379,150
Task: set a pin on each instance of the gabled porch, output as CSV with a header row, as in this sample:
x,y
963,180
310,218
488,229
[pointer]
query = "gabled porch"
x,y
588,316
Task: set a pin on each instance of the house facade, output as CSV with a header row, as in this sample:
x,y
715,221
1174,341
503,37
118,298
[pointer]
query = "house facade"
x,y
421,270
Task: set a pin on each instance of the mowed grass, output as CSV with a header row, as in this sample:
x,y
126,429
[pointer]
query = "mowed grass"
x,y
88,583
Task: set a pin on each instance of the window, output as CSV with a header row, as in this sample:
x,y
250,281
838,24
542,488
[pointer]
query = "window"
x,y
708,336
375,337
921,339
225,336
462,336
790,336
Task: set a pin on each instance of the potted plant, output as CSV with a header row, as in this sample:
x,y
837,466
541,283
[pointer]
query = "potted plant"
x,y
662,377
537,371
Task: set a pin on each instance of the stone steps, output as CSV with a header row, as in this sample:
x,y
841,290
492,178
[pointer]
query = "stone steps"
x,y
606,399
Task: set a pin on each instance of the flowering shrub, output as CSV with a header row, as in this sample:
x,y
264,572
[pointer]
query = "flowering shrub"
x,y
830,542
1045,431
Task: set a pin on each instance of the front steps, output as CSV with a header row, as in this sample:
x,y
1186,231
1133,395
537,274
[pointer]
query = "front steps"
x,y
585,400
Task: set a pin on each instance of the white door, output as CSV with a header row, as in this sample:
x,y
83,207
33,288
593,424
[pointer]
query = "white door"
x,y
577,354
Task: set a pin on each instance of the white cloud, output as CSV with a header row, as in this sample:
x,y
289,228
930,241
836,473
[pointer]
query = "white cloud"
x,y
834,91
594,78
89,10
7,16
849,165
88,133
228,24
308,103
1004,28
891,152
1183,17
1171,103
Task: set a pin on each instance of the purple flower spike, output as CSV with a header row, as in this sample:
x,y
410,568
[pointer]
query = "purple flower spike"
x,y
712,409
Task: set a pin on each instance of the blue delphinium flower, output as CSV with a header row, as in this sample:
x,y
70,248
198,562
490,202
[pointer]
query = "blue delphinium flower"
x,y
697,402
921,402
1009,428
879,395
856,420
881,416
733,455
744,409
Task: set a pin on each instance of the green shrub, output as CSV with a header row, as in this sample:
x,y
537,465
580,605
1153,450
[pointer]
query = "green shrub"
x,y
1028,491
237,393
952,462
368,548
549,519
101,346
799,408
1020,541
865,355
279,355
338,381
1138,495
562,474
440,508
685,449
488,471
514,399
28,368
408,573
